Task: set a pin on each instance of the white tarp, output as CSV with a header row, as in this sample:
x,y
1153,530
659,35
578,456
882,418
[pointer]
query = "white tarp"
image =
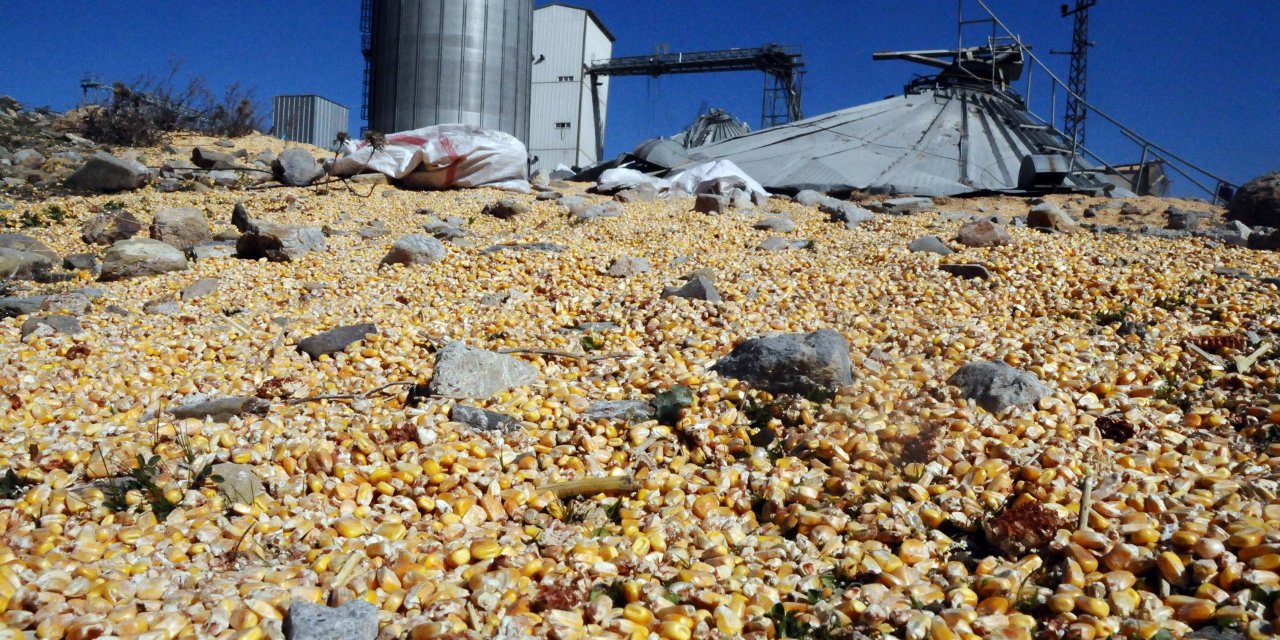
x,y
443,156
621,178
708,176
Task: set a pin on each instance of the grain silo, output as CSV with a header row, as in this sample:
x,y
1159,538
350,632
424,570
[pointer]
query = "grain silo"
x,y
442,61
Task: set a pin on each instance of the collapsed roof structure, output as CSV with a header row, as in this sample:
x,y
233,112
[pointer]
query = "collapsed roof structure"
x,y
962,130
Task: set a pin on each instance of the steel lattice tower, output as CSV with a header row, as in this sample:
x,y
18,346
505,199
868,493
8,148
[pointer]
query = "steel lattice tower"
x,y
1073,124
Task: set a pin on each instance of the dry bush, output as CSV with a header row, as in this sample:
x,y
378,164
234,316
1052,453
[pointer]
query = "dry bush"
x,y
142,112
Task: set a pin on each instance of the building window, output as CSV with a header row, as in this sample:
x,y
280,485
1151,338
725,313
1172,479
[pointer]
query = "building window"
x,y
562,125
566,78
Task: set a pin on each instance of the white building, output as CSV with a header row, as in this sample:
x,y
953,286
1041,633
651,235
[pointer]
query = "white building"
x,y
561,122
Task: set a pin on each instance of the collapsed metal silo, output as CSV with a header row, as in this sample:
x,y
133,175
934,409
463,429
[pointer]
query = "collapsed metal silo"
x,y
444,61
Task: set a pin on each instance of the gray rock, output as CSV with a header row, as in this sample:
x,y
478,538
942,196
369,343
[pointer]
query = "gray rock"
x,y
28,159
930,244
628,266
335,340
179,168
966,270
225,143
214,249
465,372
164,305
296,167
170,185
238,481
265,157
840,211
906,205
372,231
1183,219
698,288
14,306
775,223
182,227
140,257
445,231
240,217
415,249
279,242
23,264
75,304
550,247
199,289
355,620
59,323
996,386
777,243
106,173
1048,215
808,198
712,203
595,212
227,179
1257,202
983,233
222,409
210,159
506,208
548,195
109,227
643,192
799,363
593,327
1234,233
620,410
483,420
20,242
81,262
1264,239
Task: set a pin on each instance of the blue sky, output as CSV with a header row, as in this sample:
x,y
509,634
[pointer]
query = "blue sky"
x,y
1202,78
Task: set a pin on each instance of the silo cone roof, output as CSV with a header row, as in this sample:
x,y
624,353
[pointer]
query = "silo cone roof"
x,y
933,142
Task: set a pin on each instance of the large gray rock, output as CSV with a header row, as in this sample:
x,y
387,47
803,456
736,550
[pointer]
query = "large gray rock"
x,y
415,249
712,203
628,266
465,372
799,363
182,227
996,386
210,159
106,173
14,306
930,244
840,211
335,340
23,264
1257,202
808,198
483,420
238,481
109,227
983,233
222,409
28,159
19,242
697,288
140,257
1048,215
279,242
355,620
296,167
59,323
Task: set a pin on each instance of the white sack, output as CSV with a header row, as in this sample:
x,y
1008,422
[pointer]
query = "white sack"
x,y
703,178
443,157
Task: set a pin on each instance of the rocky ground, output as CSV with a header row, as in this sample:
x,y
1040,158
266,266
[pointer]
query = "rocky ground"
x,y
537,418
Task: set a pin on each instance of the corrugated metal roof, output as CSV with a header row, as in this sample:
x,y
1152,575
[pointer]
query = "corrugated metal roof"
x,y
936,141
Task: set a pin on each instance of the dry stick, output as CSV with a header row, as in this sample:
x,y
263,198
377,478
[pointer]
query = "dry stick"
x,y
591,486
351,396
1086,502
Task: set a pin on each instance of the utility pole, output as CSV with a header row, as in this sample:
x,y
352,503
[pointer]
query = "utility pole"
x,y
1073,123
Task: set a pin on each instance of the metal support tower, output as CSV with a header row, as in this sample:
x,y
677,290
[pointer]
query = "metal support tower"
x,y
782,65
1073,123
366,48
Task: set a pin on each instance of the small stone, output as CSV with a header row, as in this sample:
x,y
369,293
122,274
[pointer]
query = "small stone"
x,y
840,211
57,322
996,386
240,217
642,192
775,223
279,242
628,266
415,249
296,167
698,288
109,227
1048,215
466,372
930,244
483,420
182,227
106,173
967,270
238,482
800,363
222,409
75,304
906,205
596,212
777,243
808,198
983,233
199,289
165,305
712,203
354,620
214,249
335,340
620,410
506,208
550,247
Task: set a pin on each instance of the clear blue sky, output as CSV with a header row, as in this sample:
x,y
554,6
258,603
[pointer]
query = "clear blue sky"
x,y
1202,78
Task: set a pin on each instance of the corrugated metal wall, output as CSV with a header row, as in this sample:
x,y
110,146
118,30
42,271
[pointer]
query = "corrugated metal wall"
x,y
561,123
446,61
310,119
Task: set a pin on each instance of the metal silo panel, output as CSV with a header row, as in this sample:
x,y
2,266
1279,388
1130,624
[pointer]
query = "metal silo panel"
x,y
475,39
